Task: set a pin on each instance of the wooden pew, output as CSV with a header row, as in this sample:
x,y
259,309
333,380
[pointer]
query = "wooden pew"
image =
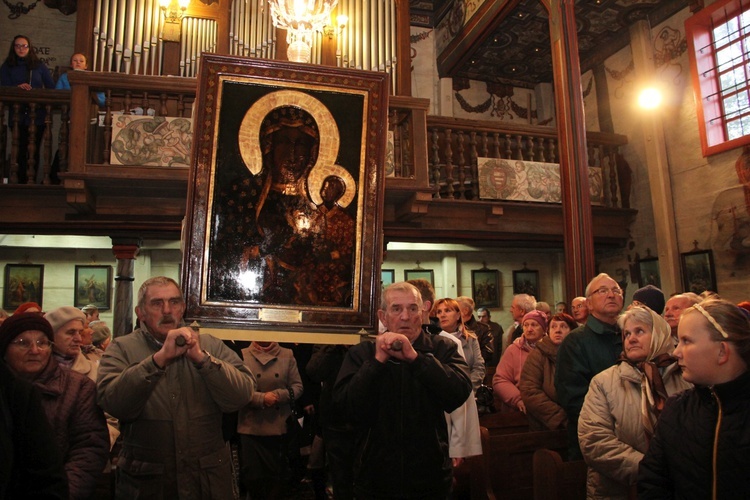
x,y
558,480
471,479
511,451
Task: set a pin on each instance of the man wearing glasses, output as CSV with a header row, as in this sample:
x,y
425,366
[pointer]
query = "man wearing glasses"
x,y
588,350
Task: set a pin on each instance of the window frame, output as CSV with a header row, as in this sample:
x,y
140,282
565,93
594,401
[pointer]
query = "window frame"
x,y
698,31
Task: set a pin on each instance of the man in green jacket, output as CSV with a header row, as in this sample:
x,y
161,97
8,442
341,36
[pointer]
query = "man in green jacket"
x,y
168,385
588,350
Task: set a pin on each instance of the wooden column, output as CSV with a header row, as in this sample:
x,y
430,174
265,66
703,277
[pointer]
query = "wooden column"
x,y
403,49
657,164
125,250
576,203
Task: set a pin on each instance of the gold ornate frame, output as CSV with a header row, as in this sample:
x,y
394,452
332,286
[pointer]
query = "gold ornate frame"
x,y
266,253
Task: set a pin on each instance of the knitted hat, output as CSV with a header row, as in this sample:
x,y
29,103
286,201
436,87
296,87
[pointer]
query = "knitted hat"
x,y
26,306
101,332
58,317
19,323
537,316
651,297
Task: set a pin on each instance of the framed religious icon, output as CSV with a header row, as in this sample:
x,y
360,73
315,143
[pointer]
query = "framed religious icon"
x,y
387,277
698,274
526,281
23,283
648,272
285,198
93,285
485,287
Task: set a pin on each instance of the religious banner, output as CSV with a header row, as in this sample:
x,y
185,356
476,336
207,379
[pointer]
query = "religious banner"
x,y
283,229
519,180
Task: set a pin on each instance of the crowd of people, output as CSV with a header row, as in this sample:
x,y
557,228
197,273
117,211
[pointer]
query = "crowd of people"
x,y
391,417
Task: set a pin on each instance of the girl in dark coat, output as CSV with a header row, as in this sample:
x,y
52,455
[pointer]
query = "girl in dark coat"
x,y
701,448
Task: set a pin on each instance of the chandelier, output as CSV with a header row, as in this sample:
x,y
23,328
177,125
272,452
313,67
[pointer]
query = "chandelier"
x,y
301,19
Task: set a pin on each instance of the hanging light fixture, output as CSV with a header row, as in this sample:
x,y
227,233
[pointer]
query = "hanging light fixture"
x,y
301,19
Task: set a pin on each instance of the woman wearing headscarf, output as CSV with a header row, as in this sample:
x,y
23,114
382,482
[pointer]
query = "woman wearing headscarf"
x,y
537,383
68,399
624,402
701,448
508,374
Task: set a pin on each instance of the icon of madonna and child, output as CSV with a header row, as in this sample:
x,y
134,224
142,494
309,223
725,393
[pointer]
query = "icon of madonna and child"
x,y
283,222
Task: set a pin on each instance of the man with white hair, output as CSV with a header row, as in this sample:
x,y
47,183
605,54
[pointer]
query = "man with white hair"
x,y
674,308
580,310
522,303
397,389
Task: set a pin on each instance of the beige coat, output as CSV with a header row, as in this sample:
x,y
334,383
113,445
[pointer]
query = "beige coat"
x,y
276,371
537,388
611,430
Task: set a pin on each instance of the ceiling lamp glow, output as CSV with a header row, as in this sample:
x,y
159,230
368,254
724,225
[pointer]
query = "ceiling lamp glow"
x,y
301,19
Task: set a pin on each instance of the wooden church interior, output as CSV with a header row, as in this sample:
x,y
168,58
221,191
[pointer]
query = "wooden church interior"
x,y
147,57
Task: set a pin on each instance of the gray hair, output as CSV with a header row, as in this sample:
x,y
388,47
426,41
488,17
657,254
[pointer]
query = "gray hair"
x,y
526,302
156,280
589,287
466,301
401,286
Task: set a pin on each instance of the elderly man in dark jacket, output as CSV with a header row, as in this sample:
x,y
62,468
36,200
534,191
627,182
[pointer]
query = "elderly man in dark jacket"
x,y
397,389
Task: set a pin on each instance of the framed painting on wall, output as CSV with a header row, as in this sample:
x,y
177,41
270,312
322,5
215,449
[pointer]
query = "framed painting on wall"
x,y
526,281
93,285
286,198
648,272
387,277
23,283
698,274
485,287
414,274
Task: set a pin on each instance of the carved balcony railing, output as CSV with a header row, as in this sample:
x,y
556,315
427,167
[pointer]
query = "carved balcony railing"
x,y
454,145
43,115
433,162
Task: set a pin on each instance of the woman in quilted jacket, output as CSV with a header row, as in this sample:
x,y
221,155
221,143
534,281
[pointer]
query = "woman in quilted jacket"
x,y
623,403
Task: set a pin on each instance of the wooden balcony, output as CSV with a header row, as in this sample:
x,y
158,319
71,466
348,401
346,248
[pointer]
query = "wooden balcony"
x,y
431,190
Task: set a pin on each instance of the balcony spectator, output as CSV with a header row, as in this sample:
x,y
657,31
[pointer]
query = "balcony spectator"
x,y
23,69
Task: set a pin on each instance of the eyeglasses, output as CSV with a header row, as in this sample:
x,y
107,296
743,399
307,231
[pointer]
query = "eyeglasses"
x,y
22,45
603,291
25,344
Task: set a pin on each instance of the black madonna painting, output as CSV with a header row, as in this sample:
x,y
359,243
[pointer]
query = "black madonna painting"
x,y
284,194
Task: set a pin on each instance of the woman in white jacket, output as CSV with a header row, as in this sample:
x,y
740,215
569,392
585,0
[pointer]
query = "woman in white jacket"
x,y
463,422
623,403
